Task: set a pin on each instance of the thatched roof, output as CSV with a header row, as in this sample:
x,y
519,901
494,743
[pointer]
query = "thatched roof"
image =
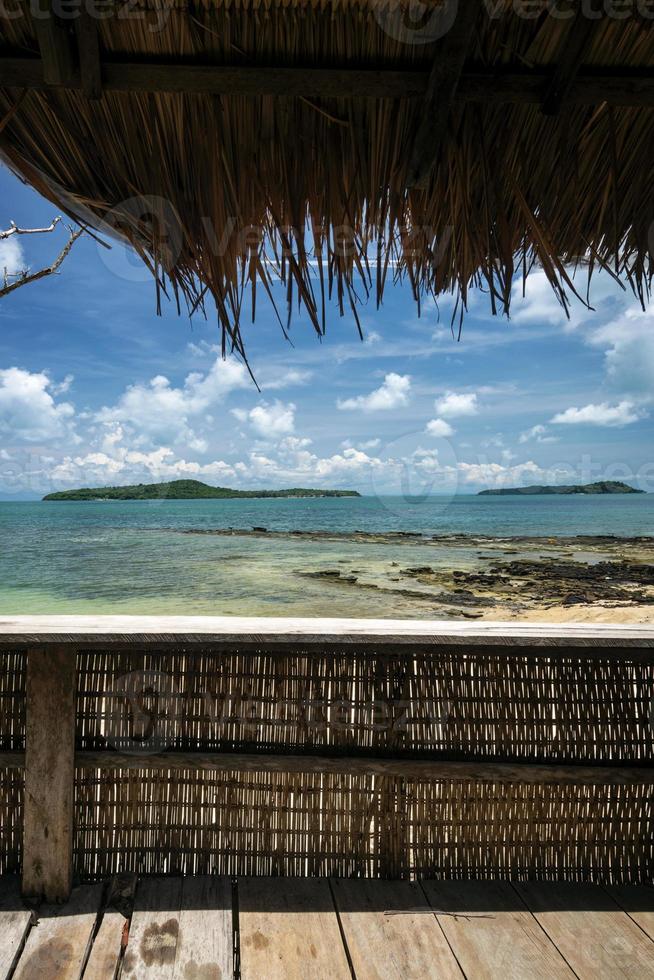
x,y
315,140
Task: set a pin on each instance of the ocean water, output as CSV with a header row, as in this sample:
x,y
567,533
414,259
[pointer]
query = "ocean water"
x,y
136,557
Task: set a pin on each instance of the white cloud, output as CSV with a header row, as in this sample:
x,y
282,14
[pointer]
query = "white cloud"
x,y
127,466
159,412
457,404
623,413
539,306
366,444
439,428
288,379
537,433
28,407
393,393
629,352
63,386
269,421
12,259
497,475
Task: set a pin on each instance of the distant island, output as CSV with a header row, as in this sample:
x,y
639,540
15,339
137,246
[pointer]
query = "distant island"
x,y
603,486
185,490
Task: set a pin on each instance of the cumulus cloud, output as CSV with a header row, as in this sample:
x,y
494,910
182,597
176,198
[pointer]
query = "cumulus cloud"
x,y
160,412
624,413
439,428
272,421
393,393
29,409
628,343
126,466
455,404
540,306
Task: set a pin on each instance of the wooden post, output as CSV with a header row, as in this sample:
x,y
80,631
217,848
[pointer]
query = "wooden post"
x,y
49,772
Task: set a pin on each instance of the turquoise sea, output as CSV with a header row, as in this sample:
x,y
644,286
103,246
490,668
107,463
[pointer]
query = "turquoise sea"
x,y
134,557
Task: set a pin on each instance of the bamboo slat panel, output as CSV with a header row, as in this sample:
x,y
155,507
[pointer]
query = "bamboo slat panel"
x,y
12,738
471,705
12,699
289,824
474,704
11,820
502,704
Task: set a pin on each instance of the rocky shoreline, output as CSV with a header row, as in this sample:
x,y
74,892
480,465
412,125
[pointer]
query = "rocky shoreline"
x,y
482,577
415,537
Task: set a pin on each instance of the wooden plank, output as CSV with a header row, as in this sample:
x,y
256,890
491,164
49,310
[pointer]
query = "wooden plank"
x,y
634,87
58,944
104,957
154,930
49,772
638,902
289,930
411,768
54,44
205,949
492,933
15,923
111,937
594,935
387,934
118,630
441,91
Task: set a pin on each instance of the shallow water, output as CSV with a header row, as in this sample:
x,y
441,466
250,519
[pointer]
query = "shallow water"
x,y
132,557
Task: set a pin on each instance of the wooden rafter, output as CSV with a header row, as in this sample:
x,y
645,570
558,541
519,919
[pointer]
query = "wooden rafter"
x,y
54,45
89,55
441,92
619,88
576,45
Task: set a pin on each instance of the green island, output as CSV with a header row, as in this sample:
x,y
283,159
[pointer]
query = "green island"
x,y
185,490
602,486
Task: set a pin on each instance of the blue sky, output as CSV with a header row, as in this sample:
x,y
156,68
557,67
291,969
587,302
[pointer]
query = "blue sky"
x,y
96,389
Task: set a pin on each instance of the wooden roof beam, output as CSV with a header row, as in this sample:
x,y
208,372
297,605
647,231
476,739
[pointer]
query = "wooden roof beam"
x,y
441,92
88,46
54,44
615,87
575,47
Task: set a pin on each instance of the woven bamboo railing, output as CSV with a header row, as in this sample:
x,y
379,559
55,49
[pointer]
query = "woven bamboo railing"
x,y
324,747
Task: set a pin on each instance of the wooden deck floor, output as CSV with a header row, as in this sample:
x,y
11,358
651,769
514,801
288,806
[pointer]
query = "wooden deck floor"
x,y
267,928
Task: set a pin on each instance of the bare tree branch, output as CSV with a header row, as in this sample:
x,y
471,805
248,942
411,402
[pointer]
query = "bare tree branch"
x,y
15,230
25,278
